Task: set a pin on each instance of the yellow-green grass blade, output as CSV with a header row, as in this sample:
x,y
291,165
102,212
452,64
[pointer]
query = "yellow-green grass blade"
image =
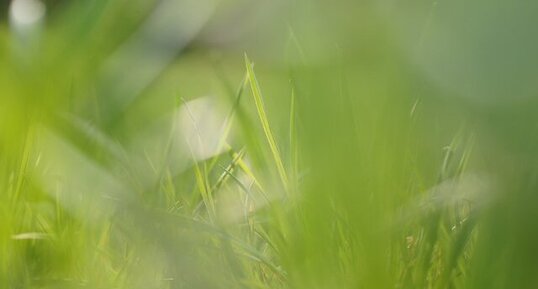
x,y
258,100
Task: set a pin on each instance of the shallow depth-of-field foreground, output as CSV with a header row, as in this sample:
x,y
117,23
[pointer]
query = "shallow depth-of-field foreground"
x,y
268,144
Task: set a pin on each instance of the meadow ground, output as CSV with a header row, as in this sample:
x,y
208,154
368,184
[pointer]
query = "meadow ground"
x,y
284,144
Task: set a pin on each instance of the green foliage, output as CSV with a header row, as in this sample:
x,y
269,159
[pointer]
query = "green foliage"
x,y
137,149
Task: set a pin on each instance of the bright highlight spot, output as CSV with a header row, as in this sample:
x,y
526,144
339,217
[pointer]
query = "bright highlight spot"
x,y
26,12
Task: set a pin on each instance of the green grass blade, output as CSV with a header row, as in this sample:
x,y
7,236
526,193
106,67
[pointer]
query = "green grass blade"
x,y
258,99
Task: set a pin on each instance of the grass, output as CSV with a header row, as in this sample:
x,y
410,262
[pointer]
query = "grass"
x,y
346,172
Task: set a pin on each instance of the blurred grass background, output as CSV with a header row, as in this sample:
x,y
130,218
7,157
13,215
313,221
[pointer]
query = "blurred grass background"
x,y
268,144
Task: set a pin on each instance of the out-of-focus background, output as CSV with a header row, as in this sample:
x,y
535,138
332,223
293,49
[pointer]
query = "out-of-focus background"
x,y
268,144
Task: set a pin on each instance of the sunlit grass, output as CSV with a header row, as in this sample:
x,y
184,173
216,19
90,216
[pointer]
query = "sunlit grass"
x,y
137,153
